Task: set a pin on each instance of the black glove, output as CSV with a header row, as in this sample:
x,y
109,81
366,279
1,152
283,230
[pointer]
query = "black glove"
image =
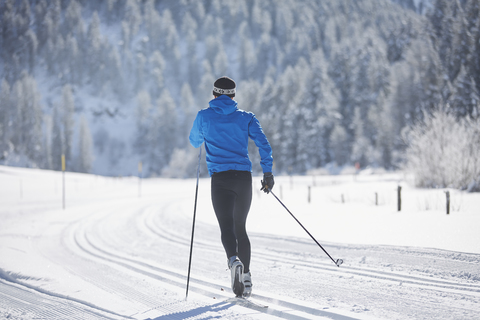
x,y
267,182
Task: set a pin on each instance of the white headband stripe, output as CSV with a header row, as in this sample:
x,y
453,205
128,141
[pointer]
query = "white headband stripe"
x,y
223,91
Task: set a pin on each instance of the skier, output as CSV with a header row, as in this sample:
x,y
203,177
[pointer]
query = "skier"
x,y
225,129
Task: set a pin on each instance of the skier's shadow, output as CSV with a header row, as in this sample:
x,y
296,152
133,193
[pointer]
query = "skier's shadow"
x,y
214,308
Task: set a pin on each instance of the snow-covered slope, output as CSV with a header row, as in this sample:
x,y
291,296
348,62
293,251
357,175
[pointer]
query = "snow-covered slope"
x,y
120,250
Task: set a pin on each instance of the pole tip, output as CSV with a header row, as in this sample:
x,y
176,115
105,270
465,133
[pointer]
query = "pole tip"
x,y
338,262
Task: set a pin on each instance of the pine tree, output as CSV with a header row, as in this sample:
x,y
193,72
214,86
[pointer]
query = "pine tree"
x,y
462,45
288,98
284,21
8,39
140,72
5,118
33,120
220,64
56,11
465,100
116,74
169,40
19,112
72,60
47,160
193,64
31,45
248,60
322,98
153,23
263,55
198,11
385,135
270,115
143,123
204,94
40,25
132,16
361,145
73,16
26,118
162,133
126,37
58,139
94,45
339,141
189,112
472,11
157,67
188,25
169,124
85,157
67,111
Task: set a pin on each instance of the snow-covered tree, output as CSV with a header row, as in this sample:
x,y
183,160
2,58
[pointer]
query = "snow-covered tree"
x,y
465,100
444,152
340,145
5,119
58,139
361,147
85,155
73,16
132,16
67,108
157,67
143,120
189,111
304,66
26,118
162,133
94,46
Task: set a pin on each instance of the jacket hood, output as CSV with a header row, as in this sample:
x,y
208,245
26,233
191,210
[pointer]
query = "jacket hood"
x,y
223,105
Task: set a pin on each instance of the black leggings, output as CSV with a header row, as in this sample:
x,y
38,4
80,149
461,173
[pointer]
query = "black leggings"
x,y
231,198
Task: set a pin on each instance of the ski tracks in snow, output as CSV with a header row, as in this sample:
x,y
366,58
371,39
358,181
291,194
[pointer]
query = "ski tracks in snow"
x,y
162,229
93,239
131,256
28,303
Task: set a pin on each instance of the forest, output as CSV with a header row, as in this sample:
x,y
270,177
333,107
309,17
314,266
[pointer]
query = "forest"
x,y
390,84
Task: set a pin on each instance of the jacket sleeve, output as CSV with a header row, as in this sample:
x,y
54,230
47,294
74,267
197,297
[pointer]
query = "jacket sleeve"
x,y
255,132
196,133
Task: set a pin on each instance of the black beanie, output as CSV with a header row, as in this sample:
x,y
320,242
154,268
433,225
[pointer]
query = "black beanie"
x,y
224,86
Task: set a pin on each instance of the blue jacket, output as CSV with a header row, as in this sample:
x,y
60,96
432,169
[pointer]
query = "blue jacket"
x,y
225,129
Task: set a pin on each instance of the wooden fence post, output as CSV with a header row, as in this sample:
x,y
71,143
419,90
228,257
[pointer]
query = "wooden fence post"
x,y
448,201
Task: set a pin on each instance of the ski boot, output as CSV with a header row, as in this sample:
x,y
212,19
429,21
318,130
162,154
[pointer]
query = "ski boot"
x,y
247,282
236,269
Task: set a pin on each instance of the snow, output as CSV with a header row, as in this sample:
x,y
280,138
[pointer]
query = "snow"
x,y
120,249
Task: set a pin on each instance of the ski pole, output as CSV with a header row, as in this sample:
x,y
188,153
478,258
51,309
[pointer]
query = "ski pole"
x,y
193,225
337,262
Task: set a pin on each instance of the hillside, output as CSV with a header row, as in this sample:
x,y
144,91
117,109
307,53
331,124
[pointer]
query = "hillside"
x,y
113,83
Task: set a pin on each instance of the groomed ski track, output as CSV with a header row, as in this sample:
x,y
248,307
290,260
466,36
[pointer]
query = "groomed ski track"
x,y
133,253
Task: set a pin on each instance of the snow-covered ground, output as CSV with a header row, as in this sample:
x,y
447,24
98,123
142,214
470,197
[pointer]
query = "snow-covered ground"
x,y
113,254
